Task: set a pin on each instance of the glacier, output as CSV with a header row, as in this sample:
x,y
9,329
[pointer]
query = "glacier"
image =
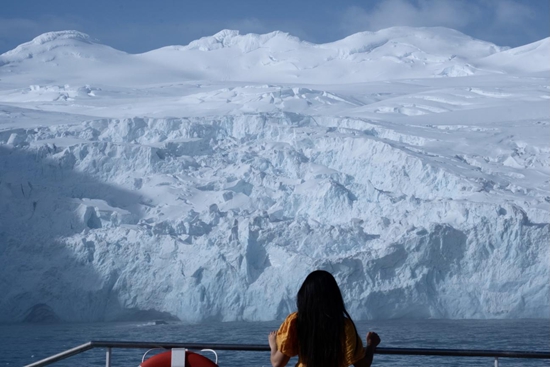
x,y
204,182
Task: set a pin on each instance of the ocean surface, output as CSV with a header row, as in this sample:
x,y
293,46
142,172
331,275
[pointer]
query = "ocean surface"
x,y
23,344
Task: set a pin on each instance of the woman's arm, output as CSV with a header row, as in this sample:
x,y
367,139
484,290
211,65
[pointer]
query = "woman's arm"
x,y
372,341
278,359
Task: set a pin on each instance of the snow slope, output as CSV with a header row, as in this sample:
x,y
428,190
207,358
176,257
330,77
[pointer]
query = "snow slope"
x,y
203,182
532,57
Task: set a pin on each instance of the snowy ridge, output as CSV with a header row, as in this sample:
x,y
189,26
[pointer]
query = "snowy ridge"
x,y
394,53
435,40
52,44
155,192
61,36
228,38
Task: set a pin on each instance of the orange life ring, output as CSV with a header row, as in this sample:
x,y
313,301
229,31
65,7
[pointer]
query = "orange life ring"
x,y
165,360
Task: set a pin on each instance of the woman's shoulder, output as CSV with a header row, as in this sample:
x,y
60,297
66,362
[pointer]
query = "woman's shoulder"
x,y
348,322
291,318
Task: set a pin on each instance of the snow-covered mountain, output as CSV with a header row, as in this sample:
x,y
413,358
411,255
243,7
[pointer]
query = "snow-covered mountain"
x,y
203,182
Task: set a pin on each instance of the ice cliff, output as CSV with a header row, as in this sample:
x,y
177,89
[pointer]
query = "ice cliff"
x,y
202,198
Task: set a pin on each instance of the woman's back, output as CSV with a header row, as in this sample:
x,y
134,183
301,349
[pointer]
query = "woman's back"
x,y
321,317
287,343
321,333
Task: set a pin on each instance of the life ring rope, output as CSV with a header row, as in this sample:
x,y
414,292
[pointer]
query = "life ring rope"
x,y
210,350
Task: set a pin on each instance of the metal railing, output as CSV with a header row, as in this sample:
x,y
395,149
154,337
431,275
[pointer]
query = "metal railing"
x,y
109,345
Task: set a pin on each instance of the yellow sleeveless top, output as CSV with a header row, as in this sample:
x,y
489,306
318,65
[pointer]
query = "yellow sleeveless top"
x,y
287,341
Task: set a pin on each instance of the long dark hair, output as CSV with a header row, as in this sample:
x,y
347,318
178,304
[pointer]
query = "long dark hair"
x,y
321,321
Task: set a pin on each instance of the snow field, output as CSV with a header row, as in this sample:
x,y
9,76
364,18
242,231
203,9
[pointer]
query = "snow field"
x,y
184,185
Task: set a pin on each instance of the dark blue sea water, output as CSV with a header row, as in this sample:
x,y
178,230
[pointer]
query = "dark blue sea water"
x,y
23,344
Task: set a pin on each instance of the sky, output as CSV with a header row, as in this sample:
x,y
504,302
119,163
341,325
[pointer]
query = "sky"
x,y
137,26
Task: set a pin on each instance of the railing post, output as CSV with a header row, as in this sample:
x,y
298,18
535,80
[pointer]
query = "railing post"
x,y
496,361
108,357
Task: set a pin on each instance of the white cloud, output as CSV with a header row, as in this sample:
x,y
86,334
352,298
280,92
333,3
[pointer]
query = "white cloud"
x,y
509,12
424,13
499,20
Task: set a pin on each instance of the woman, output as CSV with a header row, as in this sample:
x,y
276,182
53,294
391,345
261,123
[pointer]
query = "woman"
x,y
321,333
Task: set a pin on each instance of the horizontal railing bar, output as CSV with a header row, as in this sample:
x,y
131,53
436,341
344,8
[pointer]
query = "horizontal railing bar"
x,y
394,351
264,348
463,353
60,356
167,345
